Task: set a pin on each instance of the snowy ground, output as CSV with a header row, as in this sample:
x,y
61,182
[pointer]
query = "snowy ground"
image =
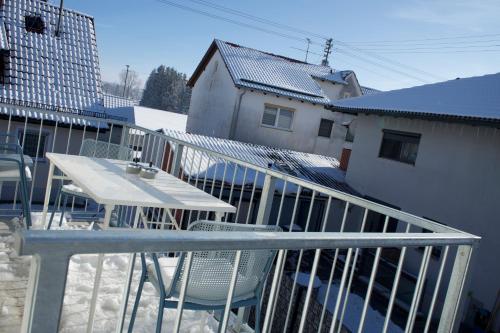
x,y
14,272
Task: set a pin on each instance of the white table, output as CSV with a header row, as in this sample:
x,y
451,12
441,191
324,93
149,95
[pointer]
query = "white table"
x,y
107,183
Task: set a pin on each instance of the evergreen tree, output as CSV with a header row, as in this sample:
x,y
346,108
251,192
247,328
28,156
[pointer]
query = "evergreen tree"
x,y
166,90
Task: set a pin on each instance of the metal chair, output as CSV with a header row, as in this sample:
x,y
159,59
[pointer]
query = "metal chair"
x,y
90,148
210,275
15,167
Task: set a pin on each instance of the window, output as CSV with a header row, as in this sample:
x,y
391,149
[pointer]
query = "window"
x,y
34,24
277,117
4,57
325,128
31,143
400,146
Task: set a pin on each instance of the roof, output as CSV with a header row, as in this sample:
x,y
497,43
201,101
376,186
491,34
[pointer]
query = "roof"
x,y
254,69
368,90
319,169
59,73
113,101
152,119
472,100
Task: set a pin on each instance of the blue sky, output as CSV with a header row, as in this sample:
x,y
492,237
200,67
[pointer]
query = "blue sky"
x,y
147,33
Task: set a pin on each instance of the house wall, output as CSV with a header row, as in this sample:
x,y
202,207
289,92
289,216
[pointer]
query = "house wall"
x,y
220,109
212,101
455,181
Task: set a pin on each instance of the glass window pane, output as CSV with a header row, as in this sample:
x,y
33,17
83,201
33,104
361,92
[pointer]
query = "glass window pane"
x,y
325,128
269,117
285,119
400,146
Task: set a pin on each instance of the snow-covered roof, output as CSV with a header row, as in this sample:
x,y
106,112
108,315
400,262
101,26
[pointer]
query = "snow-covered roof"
x,y
272,73
113,101
320,169
473,100
62,72
368,90
152,119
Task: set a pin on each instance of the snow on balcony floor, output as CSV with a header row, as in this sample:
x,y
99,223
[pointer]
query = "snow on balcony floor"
x,y
14,271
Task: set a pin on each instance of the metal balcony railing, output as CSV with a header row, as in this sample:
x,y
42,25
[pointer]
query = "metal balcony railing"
x,y
382,256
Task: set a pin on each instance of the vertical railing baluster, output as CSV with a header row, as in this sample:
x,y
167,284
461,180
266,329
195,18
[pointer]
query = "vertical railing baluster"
x,y
182,294
341,290
418,289
436,288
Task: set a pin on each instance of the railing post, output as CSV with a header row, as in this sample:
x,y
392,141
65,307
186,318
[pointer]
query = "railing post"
x,y
455,287
45,293
266,200
176,164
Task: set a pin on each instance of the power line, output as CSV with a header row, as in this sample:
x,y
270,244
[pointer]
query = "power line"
x,y
425,39
285,27
430,48
194,10
463,43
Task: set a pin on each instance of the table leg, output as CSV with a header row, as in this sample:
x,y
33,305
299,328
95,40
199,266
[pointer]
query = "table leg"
x,y
128,282
98,273
218,216
48,188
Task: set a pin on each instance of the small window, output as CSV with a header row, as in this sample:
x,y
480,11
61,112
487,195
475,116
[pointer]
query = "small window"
x,y
277,117
31,143
346,95
4,56
34,24
325,128
400,146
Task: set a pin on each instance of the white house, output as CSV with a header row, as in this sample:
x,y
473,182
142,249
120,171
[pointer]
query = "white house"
x,y
253,96
434,151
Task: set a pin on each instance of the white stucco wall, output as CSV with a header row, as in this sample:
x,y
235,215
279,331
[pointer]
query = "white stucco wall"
x,y
212,101
455,180
215,99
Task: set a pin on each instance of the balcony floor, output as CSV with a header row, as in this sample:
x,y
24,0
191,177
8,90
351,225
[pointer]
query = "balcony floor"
x,y
14,271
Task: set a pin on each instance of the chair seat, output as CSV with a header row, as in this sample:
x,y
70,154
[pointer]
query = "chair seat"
x,y
9,172
72,189
205,285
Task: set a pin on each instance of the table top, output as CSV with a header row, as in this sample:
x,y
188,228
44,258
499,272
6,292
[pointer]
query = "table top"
x,y
106,181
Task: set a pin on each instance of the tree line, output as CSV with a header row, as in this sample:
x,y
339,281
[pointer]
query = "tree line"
x,y
165,89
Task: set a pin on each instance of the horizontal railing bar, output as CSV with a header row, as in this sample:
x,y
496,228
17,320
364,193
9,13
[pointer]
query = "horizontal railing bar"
x,y
29,242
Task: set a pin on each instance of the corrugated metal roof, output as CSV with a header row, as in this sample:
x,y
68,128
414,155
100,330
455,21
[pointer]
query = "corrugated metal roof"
x,y
319,169
59,117
475,99
259,70
368,90
62,72
112,101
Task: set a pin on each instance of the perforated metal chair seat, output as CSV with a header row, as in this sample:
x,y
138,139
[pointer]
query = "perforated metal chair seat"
x,y
9,170
72,189
208,293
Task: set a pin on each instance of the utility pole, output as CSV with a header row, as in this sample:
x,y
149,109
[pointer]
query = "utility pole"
x,y
307,50
58,28
125,83
327,51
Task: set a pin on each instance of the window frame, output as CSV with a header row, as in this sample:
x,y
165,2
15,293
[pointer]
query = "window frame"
x,y
415,136
35,131
31,27
332,122
276,120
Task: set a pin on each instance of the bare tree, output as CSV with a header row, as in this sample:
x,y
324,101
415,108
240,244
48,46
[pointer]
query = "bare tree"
x,y
132,84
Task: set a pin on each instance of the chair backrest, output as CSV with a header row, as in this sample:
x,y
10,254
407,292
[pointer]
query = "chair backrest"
x,y
211,271
103,149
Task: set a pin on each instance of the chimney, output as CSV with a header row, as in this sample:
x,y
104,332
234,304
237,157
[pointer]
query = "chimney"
x,y
344,158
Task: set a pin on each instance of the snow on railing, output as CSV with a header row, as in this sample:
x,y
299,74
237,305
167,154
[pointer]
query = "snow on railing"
x,y
380,257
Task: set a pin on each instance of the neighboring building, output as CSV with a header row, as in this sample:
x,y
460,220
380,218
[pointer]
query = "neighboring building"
x,y
252,96
434,151
44,76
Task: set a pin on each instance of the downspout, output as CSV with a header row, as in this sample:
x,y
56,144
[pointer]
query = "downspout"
x,y
236,113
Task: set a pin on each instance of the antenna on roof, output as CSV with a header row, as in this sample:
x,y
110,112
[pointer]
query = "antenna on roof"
x,y
125,83
58,28
327,51
308,40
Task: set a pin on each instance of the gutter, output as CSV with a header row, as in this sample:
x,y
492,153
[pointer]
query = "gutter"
x,y
236,113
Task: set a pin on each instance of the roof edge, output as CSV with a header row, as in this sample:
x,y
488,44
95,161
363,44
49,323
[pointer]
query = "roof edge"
x,y
202,64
